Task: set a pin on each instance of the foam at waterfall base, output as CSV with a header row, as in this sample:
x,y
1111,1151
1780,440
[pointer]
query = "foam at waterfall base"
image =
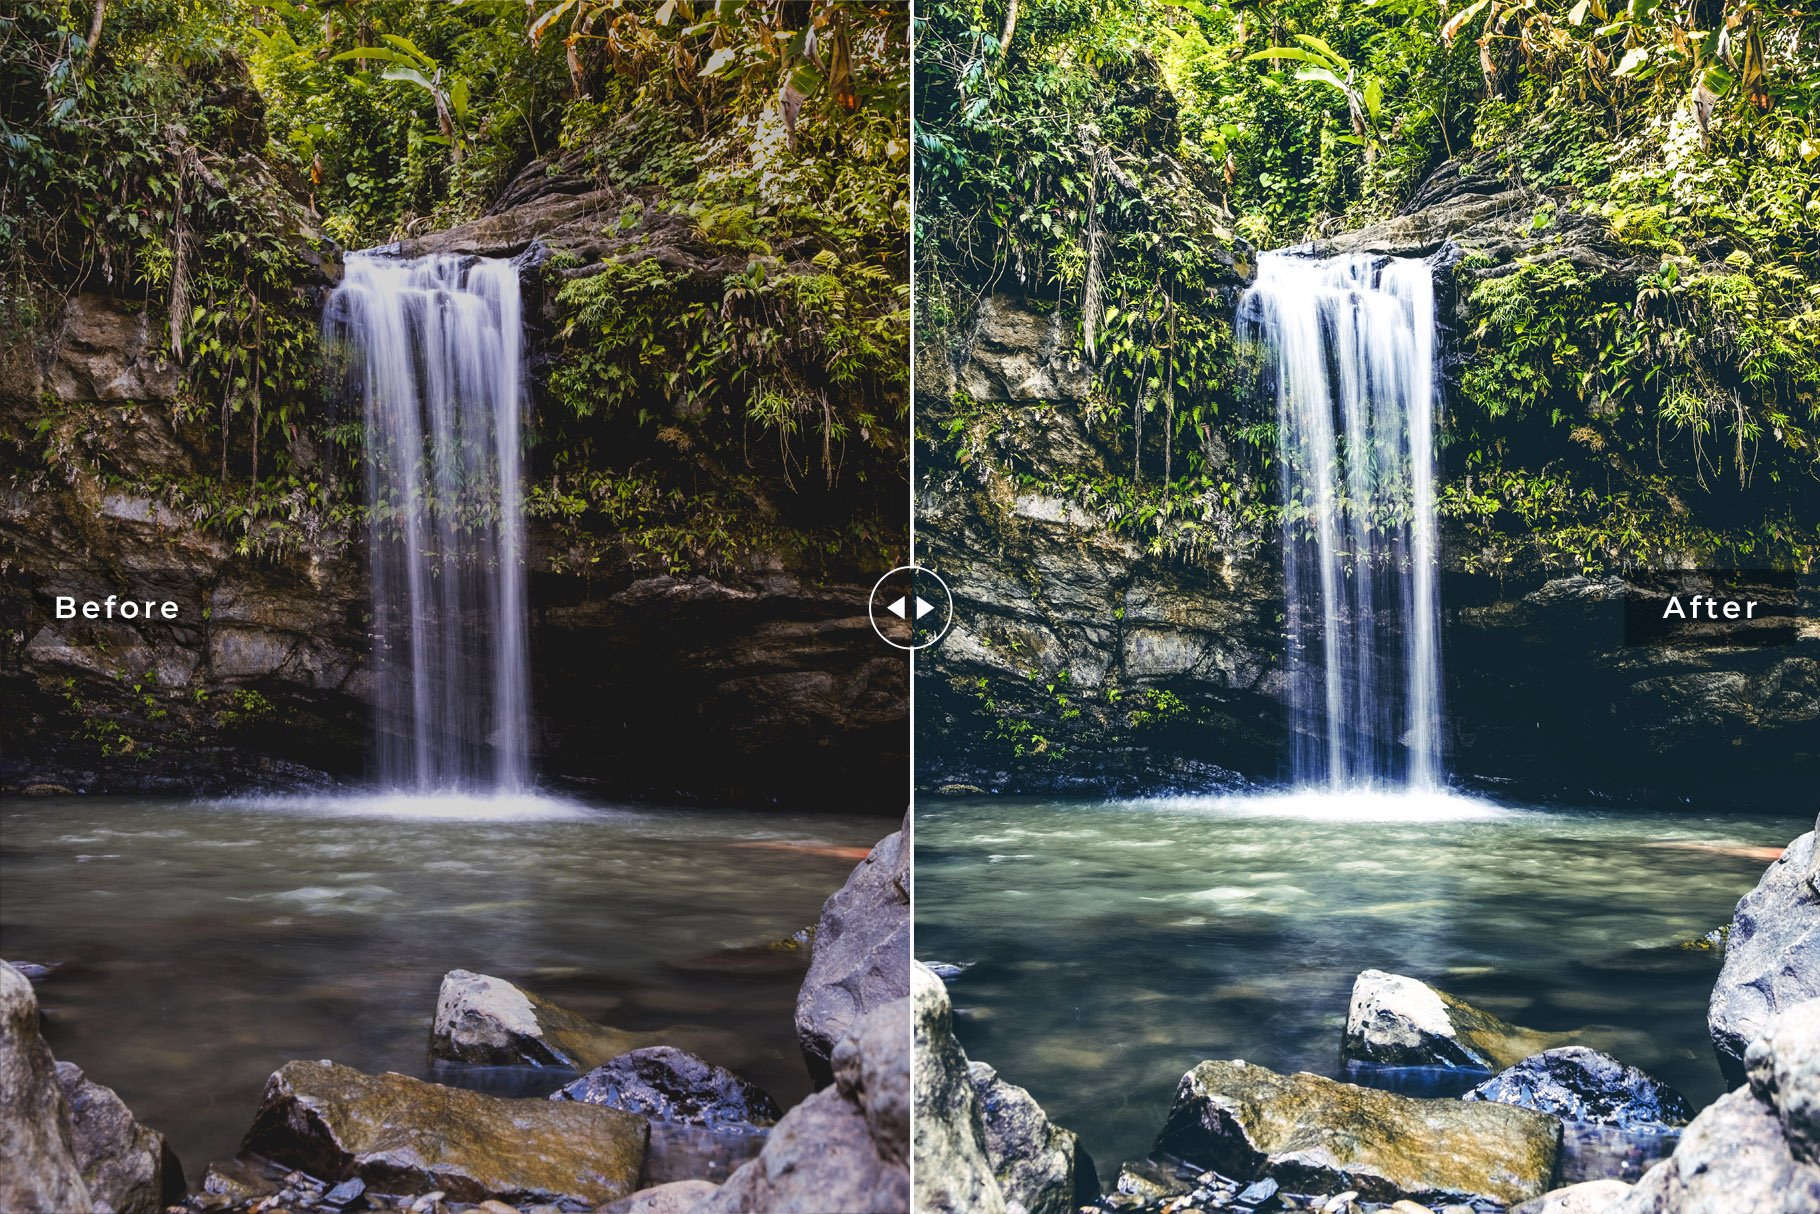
x,y
1366,803
424,807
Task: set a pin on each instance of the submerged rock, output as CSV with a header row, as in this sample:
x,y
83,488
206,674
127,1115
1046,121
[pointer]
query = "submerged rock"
x,y
846,1147
1578,1084
487,1020
1757,1148
862,949
36,1137
1398,1021
1038,1164
402,1135
129,1168
1315,1135
954,1173
1588,1197
668,1084
1772,954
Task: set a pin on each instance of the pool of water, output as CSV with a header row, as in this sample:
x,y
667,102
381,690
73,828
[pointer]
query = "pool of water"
x,y
200,946
1109,947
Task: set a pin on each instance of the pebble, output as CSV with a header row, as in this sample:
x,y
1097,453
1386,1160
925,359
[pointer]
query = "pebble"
x,y
1407,1206
428,1202
1341,1202
1260,1192
493,1205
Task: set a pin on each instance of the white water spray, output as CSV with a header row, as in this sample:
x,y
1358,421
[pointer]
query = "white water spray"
x,y
433,348
1348,354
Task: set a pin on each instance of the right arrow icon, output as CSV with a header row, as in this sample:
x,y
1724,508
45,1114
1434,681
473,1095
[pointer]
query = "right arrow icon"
x,y
923,606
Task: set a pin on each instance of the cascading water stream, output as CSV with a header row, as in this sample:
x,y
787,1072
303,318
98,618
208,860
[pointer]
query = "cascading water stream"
x,y
433,348
1347,348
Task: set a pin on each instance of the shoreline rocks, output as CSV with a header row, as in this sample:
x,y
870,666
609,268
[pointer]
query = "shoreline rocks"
x,y
1311,1134
402,1135
37,1137
1772,954
129,1168
861,948
982,1144
847,1147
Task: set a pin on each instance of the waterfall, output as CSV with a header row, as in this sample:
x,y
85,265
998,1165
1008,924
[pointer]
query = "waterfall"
x,y
432,349
1346,350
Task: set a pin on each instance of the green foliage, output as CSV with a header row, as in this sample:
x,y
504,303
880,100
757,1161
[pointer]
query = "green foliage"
x,y
1662,408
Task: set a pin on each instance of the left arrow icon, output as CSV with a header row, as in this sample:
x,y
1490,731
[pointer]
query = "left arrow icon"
x,y
900,609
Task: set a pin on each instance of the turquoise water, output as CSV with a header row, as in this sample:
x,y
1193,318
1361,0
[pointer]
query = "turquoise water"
x,y
1111,946
200,946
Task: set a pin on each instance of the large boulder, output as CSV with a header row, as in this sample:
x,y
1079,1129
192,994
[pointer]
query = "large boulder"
x,y
487,1020
847,1146
36,1137
1311,1134
954,1172
129,1168
402,1135
1038,1165
862,952
667,1084
1757,1148
1772,954
1578,1084
1398,1021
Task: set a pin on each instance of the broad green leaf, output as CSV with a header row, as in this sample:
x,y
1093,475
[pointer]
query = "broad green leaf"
x,y
1333,57
718,62
408,47
1634,60
1323,76
1458,21
408,73
1286,52
1374,98
384,54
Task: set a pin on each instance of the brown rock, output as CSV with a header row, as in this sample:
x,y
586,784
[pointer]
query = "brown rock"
x,y
402,1135
1315,1135
677,1197
128,1167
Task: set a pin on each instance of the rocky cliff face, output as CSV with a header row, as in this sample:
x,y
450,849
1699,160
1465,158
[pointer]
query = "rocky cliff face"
x,y
1083,658
261,680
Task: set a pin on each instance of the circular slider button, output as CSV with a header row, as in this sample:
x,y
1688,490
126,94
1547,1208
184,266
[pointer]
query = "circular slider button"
x,y
911,608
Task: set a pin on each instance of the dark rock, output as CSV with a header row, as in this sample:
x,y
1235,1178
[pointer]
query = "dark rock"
x,y
1038,1164
402,1135
1259,1193
486,1020
1398,1021
1772,954
1578,1084
861,953
349,1194
954,1172
668,1084
37,1141
128,1168
1313,1135
847,1146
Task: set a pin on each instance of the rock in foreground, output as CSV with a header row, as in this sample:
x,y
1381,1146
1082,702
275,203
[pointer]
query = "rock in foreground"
x,y
1772,954
954,1175
36,1139
486,1020
129,1168
1314,1135
862,951
847,1147
668,1084
677,1197
402,1135
1757,1149
1578,1084
1588,1197
1038,1164
1399,1021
